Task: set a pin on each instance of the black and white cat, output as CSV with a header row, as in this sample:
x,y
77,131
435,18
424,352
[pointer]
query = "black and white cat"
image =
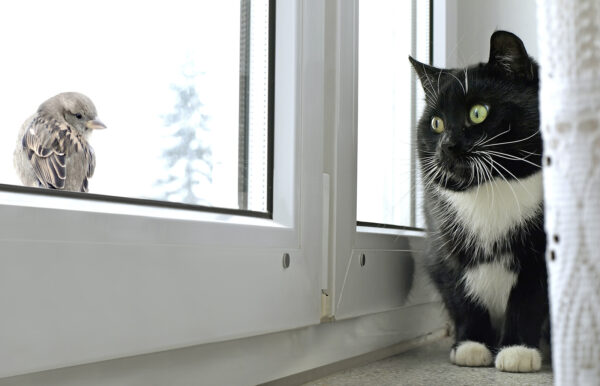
x,y
480,147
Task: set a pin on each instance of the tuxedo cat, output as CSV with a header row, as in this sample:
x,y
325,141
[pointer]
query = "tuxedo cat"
x,y
479,147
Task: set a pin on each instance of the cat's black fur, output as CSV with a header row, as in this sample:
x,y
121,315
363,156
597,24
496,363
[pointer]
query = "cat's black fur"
x,y
508,85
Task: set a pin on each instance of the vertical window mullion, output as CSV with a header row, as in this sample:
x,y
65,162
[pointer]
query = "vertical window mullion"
x,y
271,106
243,141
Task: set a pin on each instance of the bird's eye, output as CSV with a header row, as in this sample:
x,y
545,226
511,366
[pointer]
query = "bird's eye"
x,y
78,116
478,113
437,124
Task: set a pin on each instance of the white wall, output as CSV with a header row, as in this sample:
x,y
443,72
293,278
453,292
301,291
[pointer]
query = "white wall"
x,y
470,23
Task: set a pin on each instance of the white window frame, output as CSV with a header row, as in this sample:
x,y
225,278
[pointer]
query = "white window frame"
x,y
84,281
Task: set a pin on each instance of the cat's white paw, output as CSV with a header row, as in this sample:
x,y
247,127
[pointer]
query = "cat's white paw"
x,y
519,359
472,354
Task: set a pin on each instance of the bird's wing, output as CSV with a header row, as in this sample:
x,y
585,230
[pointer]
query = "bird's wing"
x,y
90,161
47,143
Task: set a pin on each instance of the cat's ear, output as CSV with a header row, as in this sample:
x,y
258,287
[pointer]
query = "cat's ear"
x,y
508,54
428,75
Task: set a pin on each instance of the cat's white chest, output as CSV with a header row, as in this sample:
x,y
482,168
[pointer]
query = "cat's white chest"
x,y
490,285
491,210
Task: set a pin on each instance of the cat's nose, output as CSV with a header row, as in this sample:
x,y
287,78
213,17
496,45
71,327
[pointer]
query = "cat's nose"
x,y
452,148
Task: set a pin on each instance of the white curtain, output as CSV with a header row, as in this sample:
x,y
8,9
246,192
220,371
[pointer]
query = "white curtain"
x,y
569,47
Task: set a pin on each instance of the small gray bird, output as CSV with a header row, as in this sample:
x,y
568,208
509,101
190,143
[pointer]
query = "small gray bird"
x,y
52,147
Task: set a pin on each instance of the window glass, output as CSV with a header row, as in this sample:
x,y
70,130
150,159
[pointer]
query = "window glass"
x,y
182,87
389,31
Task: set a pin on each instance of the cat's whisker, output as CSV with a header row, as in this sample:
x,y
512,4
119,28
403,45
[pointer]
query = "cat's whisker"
x,y
484,175
508,183
475,144
511,157
478,165
494,137
442,177
427,165
492,179
428,160
511,142
512,175
478,142
430,175
472,170
428,178
442,246
447,178
437,171
530,153
488,178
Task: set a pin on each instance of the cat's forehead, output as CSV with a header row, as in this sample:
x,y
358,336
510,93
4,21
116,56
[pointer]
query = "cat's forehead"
x,y
463,86
461,81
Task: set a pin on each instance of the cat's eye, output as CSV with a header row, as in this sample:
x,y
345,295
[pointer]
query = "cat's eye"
x,y
437,124
478,113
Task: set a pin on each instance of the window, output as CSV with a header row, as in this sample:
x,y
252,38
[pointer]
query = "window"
x,y
116,278
388,107
372,267
182,86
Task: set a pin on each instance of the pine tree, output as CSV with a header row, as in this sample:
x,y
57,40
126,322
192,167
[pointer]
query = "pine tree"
x,y
188,160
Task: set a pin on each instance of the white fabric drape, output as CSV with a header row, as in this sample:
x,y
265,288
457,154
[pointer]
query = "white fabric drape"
x,y
569,46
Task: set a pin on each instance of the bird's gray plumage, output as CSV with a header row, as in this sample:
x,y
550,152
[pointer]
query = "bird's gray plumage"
x,y
52,146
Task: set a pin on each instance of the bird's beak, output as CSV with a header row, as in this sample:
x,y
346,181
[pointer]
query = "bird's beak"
x,y
95,124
